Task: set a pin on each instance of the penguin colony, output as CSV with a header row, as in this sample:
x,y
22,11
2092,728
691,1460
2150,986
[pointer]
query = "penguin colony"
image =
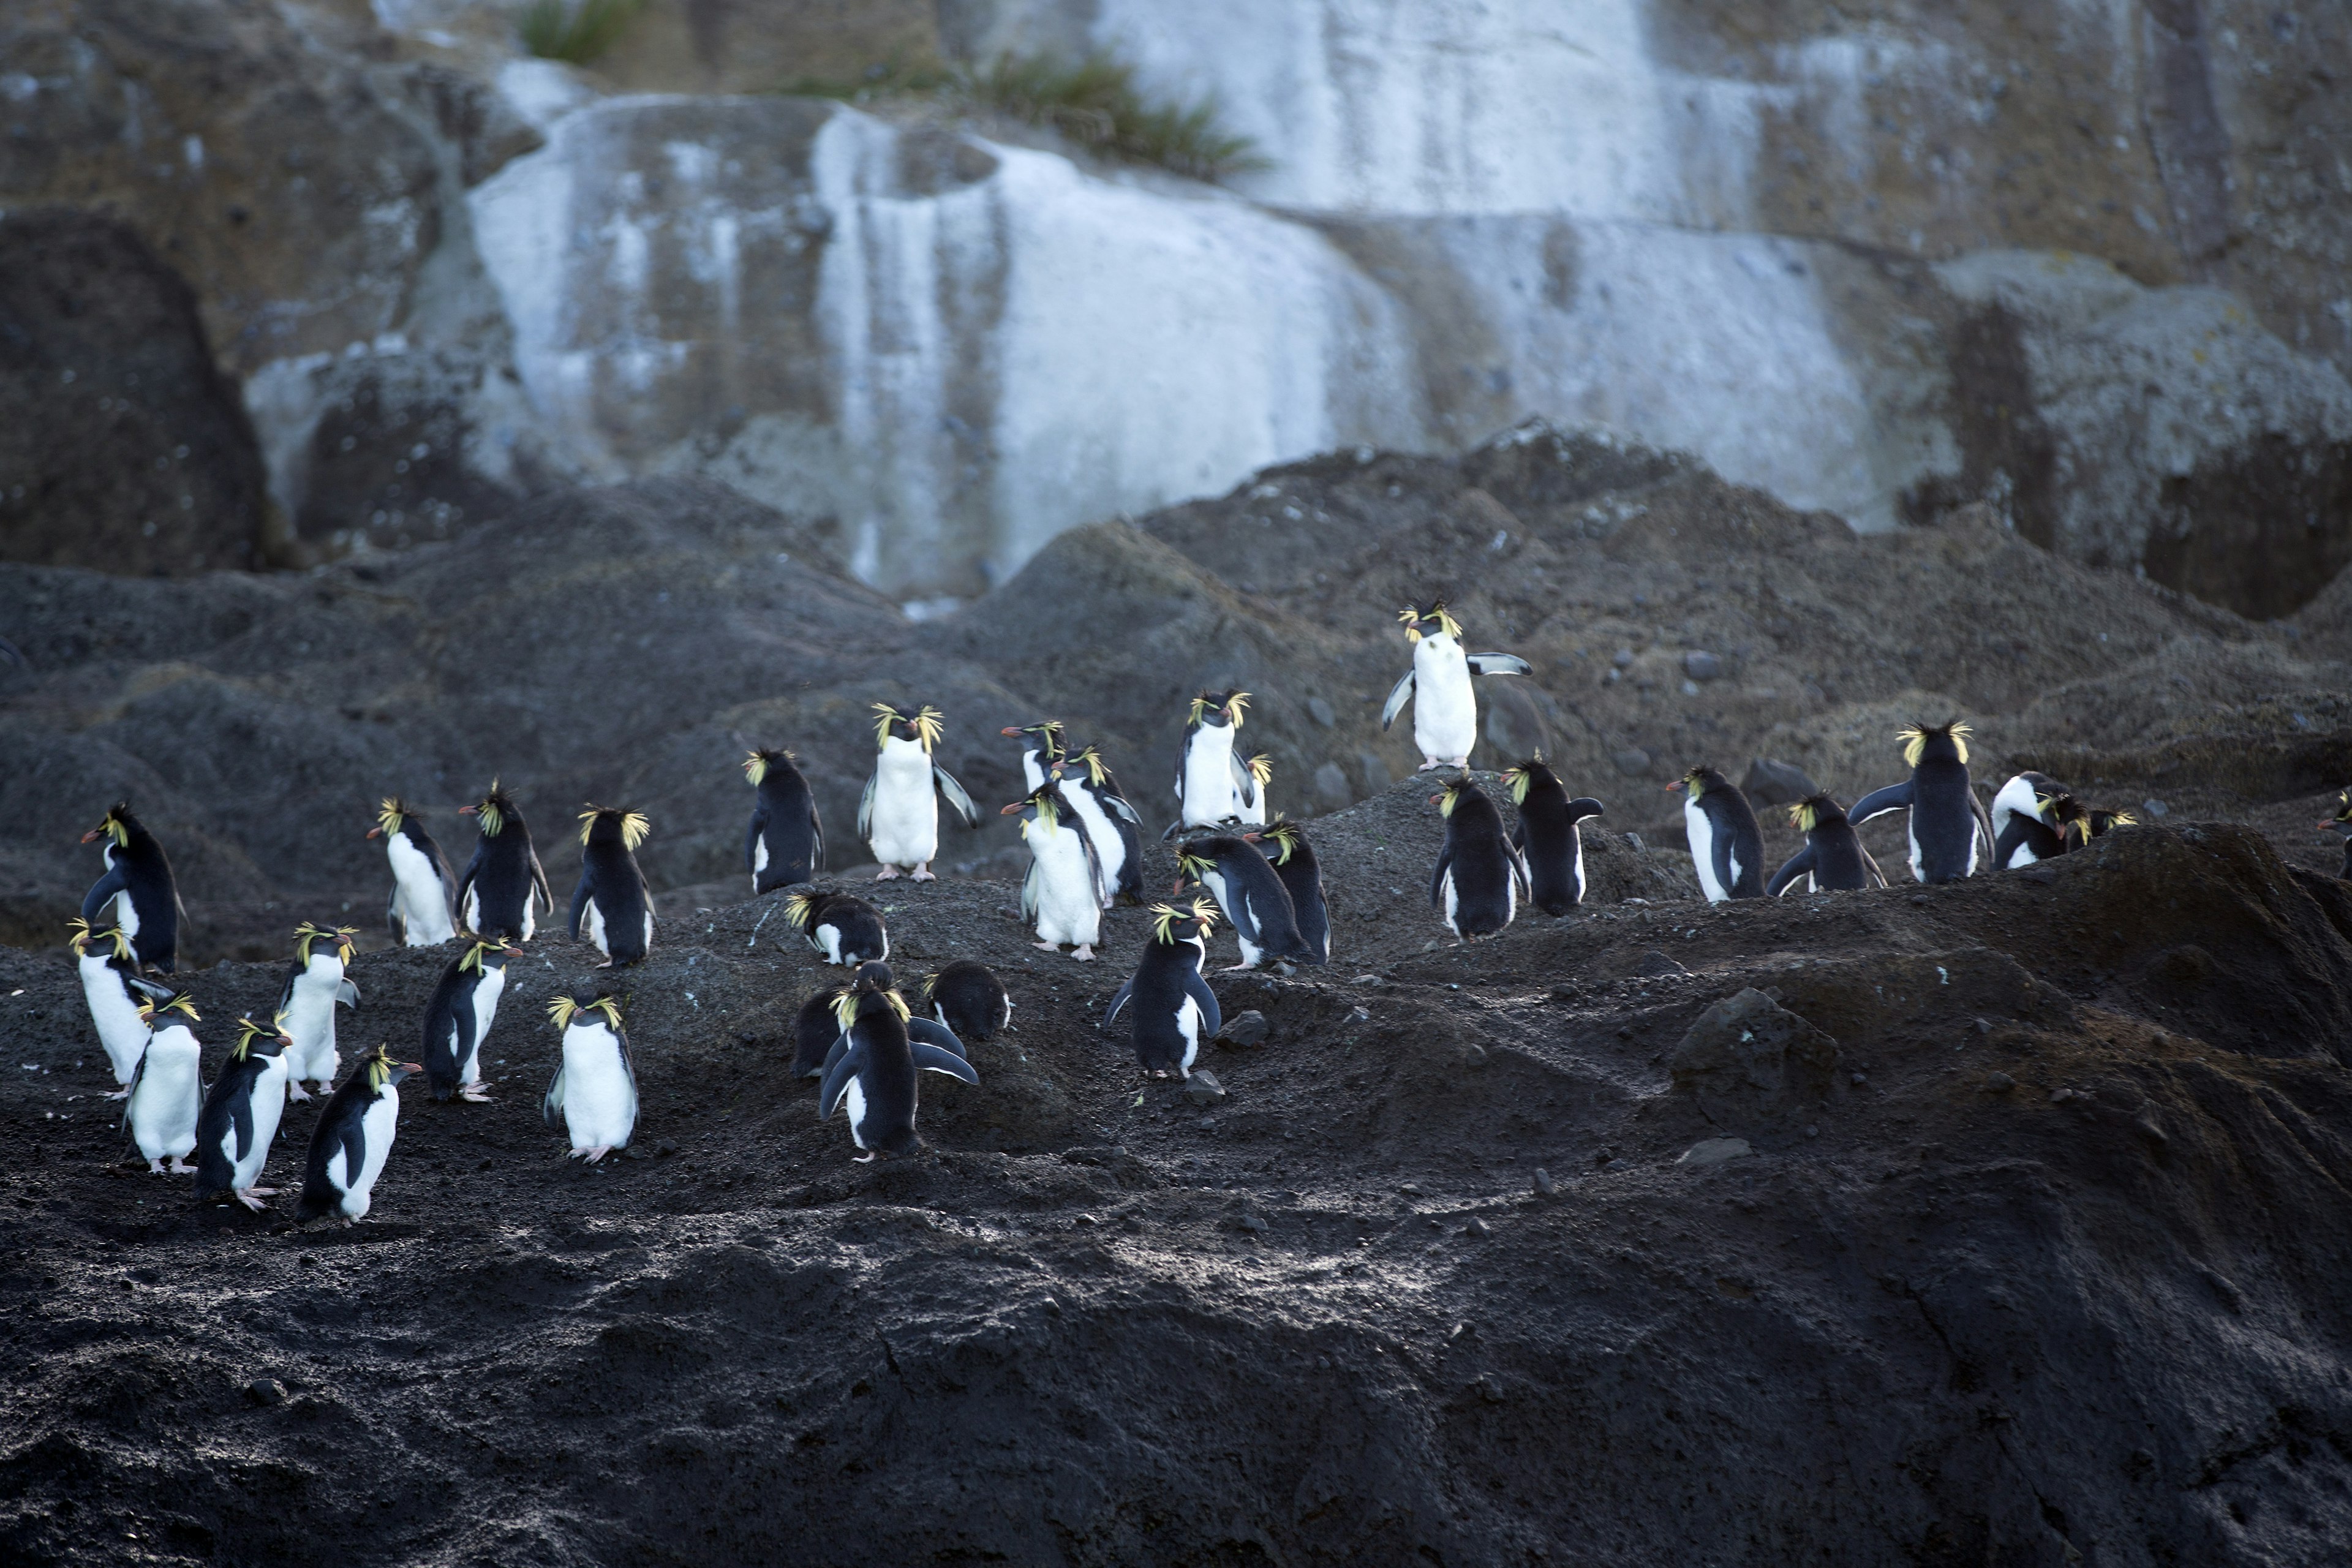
x,y
861,1038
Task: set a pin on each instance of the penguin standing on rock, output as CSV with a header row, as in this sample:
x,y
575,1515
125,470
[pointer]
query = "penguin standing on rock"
x,y
314,988
1832,859
842,926
504,879
353,1141
424,889
1107,819
1211,780
1260,771
1548,834
1947,824
969,998
1041,748
458,1016
611,895
168,1089
240,1117
1284,843
786,844
1256,903
1064,893
2022,830
138,884
1174,1008
900,815
111,984
874,1074
594,1095
1726,843
1444,708
2341,823
1480,871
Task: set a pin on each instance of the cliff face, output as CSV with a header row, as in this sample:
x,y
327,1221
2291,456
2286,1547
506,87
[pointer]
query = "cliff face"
x,y
2082,263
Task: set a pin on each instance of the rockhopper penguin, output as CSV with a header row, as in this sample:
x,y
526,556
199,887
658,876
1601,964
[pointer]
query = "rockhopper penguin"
x,y
2022,828
594,1095
1174,1008
240,1117
1064,893
504,880
1255,902
1832,859
138,885
1211,780
1947,824
458,1016
1259,773
167,1088
1726,843
1285,845
111,984
842,926
1479,872
612,906
1041,748
1444,708
314,988
351,1140
874,1074
1547,836
1107,820
969,998
900,815
786,843
423,889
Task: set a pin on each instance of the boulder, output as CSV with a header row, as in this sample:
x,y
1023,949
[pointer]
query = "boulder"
x,y
1748,1060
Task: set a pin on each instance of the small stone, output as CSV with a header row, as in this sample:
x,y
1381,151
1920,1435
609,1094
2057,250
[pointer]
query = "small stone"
x,y
1321,711
1771,782
1411,1189
1544,1186
1359,1014
1702,665
2000,1083
1918,898
1128,1222
1812,1131
1084,1220
1252,1224
1473,1055
1981,1025
265,1391
2060,1096
1478,1229
2155,808
1202,1087
1860,1079
1714,1152
1331,785
1690,688
1244,1030
1633,762
1622,658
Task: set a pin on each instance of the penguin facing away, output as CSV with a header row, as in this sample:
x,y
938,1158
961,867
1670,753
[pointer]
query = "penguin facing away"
x,y
353,1141
1947,824
814,1029
1444,707
786,841
1174,1008
900,815
873,1075
240,1117
1475,884
967,997
2078,823
458,1016
2022,830
611,895
1211,780
138,885
1107,819
594,1095
1065,891
504,882
1250,894
167,1088
112,985
1726,843
421,911
314,988
843,927
1285,845
1832,859
877,979
2341,823
1042,745
1548,836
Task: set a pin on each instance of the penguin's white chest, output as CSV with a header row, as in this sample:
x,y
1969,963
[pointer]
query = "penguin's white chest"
x,y
1110,849
487,992
120,1028
905,827
416,888
1188,1025
1068,910
377,1125
600,1102
310,1020
1453,902
1209,794
269,1106
1444,709
1701,828
164,1109
854,1100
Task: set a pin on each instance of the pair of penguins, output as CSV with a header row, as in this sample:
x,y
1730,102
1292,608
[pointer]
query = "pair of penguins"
x,y
867,1047
897,815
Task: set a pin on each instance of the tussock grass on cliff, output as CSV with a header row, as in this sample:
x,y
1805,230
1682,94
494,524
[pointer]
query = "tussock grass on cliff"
x,y
574,31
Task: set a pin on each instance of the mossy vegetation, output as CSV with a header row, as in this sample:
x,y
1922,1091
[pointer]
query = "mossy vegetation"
x,y
573,31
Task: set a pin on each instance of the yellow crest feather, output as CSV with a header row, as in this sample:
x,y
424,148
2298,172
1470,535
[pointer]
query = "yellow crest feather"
x,y
150,1011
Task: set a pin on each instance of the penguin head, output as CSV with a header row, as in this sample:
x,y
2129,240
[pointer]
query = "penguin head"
x,y
1283,834
338,938
494,809
2101,820
1172,927
1453,792
1046,736
586,1008
1192,865
2342,821
259,1040
1700,782
1434,621
482,951
86,936
382,1072
1091,760
158,1014
1815,811
1939,743
1217,709
1041,804
1261,768
801,908
621,825
861,1001
873,975
391,815
1525,776
920,725
757,765
115,825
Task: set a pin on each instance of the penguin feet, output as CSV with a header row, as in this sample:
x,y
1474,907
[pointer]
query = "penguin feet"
x,y
156,1167
887,874
1427,763
255,1198
1047,946
923,873
122,1093
473,1093
868,1157
1083,953
593,1155
295,1092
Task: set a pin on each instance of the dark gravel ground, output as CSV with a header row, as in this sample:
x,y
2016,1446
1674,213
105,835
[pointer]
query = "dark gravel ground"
x,y
2049,1268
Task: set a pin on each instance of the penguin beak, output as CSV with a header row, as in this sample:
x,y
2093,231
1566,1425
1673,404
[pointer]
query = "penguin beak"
x,y
1438,796
1252,837
2323,827
467,811
1009,810
1670,788
1012,730
511,953
92,835
375,833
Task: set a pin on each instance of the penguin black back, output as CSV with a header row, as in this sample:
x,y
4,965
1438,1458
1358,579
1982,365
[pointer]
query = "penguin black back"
x,y
814,1029
454,1025
969,998
1175,1011
1247,889
352,1140
1832,858
612,897
842,926
1285,845
1476,881
1548,834
1726,843
504,880
139,875
786,841
1947,824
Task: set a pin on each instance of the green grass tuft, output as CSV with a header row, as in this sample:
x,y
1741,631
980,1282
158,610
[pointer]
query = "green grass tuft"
x,y
573,31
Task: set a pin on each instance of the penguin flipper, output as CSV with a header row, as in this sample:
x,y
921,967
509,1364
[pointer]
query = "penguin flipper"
x,y
539,879
1397,694
1984,827
551,1109
1519,867
347,995
392,918
131,1092
816,836
834,1053
286,992
1119,999
1877,877
1211,1018
1437,878
933,1058
1584,805
1796,866
1095,878
473,869
579,906
935,1034
836,1079
146,987
751,838
1879,802
100,892
865,806
1029,890
1498,664
1245,920
955,796
1115,804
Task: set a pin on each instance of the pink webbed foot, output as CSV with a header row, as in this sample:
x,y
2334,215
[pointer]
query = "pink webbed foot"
x,y
253,1197
475,1093
1427,763
1047,946
296,1092
156,1167
923,873
179,1167
598,1152
1083,953
122,1093
887,874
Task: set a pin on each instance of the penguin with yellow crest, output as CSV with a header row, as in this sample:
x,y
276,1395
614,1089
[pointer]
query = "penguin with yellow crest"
x,y
1548,836
115,990
786,843
422,910
1175,1010
1480,871
612,907
1211,779
1444,705
240,1117
167,1088
594,1096
353,1141
1948,826
138,893
898,816
873,1075
314,988
504,886
1832,859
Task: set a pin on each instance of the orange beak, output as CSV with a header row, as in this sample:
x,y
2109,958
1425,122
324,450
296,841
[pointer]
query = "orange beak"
x,y
1010,730
375,833
1009,810
2323,827
467,811
1672,787
1255,838
94,832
